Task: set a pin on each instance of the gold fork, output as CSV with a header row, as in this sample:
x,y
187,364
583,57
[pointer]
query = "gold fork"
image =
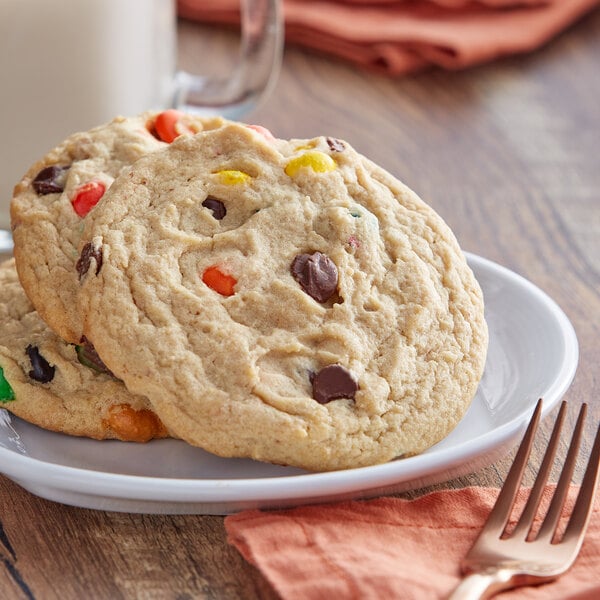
x,y
500,560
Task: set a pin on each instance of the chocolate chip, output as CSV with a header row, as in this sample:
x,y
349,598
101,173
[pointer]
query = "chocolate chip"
x,y
41,370
333,382
217,207
50,180
88,357
335,145
83,264
316,274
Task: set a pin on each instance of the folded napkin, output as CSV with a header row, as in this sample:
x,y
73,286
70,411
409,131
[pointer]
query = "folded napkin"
x,y
402,36
390,548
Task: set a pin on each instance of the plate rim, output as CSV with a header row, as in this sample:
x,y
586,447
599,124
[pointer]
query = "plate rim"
x,y
202,490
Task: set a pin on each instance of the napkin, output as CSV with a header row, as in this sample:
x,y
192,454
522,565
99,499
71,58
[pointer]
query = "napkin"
x,y
402,36
391,547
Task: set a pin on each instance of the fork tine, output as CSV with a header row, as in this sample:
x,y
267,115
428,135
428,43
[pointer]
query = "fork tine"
x,y
502,508
496,563
582,510
535,496
560,493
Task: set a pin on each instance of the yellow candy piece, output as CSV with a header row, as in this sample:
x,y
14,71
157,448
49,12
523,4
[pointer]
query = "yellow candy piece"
x,y
313,159
304,147
233,177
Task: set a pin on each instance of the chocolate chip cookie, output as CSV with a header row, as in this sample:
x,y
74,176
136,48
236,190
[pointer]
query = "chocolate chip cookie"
x,y
59,386
55,196
291,302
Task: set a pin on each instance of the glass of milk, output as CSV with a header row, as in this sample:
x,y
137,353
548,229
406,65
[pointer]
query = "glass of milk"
x,y
69,65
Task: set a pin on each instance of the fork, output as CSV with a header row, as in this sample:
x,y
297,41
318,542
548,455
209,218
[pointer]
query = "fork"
x,y
501,560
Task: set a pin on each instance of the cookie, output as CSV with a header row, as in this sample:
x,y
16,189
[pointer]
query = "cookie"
x,y
291,302
43,380
55,196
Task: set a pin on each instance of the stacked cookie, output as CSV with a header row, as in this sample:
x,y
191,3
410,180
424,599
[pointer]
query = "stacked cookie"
x,y
49,374
61,386
283,300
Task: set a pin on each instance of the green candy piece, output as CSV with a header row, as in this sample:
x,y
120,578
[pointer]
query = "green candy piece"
x,y
6,392
83,359
88,357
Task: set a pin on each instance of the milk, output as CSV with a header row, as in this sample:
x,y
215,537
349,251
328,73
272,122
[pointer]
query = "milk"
x,y
68,65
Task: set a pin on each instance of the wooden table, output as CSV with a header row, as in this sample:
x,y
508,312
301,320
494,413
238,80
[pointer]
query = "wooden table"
x,y
507,153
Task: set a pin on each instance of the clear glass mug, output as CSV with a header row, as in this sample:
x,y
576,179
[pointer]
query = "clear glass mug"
x,y
69,65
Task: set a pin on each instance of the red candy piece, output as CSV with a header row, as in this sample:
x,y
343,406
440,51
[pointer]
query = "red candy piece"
x,y
87,196
353,242
218,281
263,131
168,126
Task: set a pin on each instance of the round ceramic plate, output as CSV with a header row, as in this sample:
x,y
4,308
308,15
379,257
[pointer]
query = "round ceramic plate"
x,y
6,243
533,353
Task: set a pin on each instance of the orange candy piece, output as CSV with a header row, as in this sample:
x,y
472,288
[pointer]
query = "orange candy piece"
x,y
87,196
168,125
134,425
218,281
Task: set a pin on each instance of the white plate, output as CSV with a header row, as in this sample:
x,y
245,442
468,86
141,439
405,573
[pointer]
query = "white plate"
x,y
533,353
6,243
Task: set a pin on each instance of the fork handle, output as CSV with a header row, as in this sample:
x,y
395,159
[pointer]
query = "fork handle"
x,y
478,586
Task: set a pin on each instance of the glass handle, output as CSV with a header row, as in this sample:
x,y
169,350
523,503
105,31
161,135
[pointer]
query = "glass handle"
x,y
261,49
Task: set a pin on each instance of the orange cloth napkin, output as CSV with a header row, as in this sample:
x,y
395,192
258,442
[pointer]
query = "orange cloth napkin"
x,y
402,36
390,548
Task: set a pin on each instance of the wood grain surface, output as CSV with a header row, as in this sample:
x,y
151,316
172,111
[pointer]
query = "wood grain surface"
x,y
508,153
